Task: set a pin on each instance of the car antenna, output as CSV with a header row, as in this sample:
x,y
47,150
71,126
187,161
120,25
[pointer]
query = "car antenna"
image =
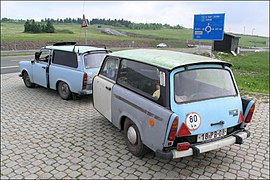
x,y
74,48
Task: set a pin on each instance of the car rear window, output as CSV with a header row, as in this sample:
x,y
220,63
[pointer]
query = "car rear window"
x,y
94,60
195,85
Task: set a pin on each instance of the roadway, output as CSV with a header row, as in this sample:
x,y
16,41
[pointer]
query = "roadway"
x,y
10,64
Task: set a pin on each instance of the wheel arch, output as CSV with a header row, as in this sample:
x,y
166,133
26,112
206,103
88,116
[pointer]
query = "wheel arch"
x,y
26,71
133,119
61,80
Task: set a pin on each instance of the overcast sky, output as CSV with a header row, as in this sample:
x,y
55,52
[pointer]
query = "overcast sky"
x,y
240,16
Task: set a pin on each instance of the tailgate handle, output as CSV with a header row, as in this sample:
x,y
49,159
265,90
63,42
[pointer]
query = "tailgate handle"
x,y
108,88
218,123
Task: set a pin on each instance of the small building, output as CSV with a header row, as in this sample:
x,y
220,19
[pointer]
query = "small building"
x,y
228,44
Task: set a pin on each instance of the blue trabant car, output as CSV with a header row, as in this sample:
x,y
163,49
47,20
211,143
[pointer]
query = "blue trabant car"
x,y
173,103
67,68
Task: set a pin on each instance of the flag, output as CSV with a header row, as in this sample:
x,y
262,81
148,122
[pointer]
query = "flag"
x,y
84,22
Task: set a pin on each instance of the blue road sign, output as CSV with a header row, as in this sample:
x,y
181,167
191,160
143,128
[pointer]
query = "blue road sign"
x,y
208,27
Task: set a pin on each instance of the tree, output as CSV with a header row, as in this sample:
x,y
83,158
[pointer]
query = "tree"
x,y
27,27
49,27
33,27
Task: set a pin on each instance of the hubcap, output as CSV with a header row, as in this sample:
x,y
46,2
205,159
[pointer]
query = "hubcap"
x,y
132,135
64,89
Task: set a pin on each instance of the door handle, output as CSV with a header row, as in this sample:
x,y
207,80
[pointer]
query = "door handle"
x,y
108,88
218,123
43,67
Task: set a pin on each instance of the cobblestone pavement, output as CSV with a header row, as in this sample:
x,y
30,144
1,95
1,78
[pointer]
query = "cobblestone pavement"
x,y
43,136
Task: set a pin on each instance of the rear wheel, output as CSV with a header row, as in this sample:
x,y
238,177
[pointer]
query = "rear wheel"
x,y
133,139
64,91
26,80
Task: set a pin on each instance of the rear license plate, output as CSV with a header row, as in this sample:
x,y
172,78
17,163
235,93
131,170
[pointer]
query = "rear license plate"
x,y
211,135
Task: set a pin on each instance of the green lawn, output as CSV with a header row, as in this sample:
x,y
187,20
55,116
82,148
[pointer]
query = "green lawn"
x,y
251,71
69,31
14,32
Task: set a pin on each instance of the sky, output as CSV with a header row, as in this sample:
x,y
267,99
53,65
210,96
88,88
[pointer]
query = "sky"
x,y
244,17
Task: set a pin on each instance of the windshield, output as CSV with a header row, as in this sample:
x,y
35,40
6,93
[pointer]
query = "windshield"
x,y
93,60
194,85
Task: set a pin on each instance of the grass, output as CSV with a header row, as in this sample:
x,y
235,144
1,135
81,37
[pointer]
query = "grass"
x,y
251,71
73,32
69,32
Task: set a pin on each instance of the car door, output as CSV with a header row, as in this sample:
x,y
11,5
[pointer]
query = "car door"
x,y
102,86
40,68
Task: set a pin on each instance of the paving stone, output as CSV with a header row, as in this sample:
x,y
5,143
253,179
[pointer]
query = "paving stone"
x,y
145,176
88,173
60,175
74,174
229,175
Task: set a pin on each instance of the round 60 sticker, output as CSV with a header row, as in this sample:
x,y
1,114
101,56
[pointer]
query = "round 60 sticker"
x,y
193,121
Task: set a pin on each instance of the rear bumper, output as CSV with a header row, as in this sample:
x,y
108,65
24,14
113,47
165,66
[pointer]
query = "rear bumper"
x,y
85,92
195,150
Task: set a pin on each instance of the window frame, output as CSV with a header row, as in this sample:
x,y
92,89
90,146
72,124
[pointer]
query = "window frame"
x,y
64,65
184,102
163,89
94,52
104,63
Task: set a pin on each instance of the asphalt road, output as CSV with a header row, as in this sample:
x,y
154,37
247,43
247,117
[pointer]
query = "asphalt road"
x,y
10,64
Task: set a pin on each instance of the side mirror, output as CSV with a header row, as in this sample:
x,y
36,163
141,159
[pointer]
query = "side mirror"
x,y
37,55
32,61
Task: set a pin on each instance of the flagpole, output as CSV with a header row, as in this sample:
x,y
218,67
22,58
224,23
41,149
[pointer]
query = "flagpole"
x,y
85,36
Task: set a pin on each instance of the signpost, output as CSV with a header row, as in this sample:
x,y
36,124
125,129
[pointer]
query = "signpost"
x,y
208,27
84,25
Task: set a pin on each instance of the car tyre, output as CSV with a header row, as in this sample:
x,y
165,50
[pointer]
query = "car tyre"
x,y
64,91
27,81
133,139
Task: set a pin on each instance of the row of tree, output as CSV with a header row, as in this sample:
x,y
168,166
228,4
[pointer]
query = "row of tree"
x,y
34,27
66,20
112,22
115,22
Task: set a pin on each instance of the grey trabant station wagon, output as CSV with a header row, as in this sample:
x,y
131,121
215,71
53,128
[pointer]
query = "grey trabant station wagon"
x,y
175,104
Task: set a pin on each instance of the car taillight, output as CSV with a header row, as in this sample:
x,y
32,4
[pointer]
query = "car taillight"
x,y
184,131
183,146
250,114
173,129
241,118
85,77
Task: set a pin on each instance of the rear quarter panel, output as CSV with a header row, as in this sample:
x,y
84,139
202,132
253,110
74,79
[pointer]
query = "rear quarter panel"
x,y
126,103
72,76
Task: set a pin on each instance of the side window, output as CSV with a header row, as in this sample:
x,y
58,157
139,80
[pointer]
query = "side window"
x,y
110,68
65,58
142,78
44,55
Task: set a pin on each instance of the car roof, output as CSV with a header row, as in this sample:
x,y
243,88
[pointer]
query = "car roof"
x,y
79,49
165,58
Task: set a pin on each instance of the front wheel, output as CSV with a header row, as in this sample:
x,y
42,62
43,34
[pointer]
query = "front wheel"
x,y
26,80
64,91
133,139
